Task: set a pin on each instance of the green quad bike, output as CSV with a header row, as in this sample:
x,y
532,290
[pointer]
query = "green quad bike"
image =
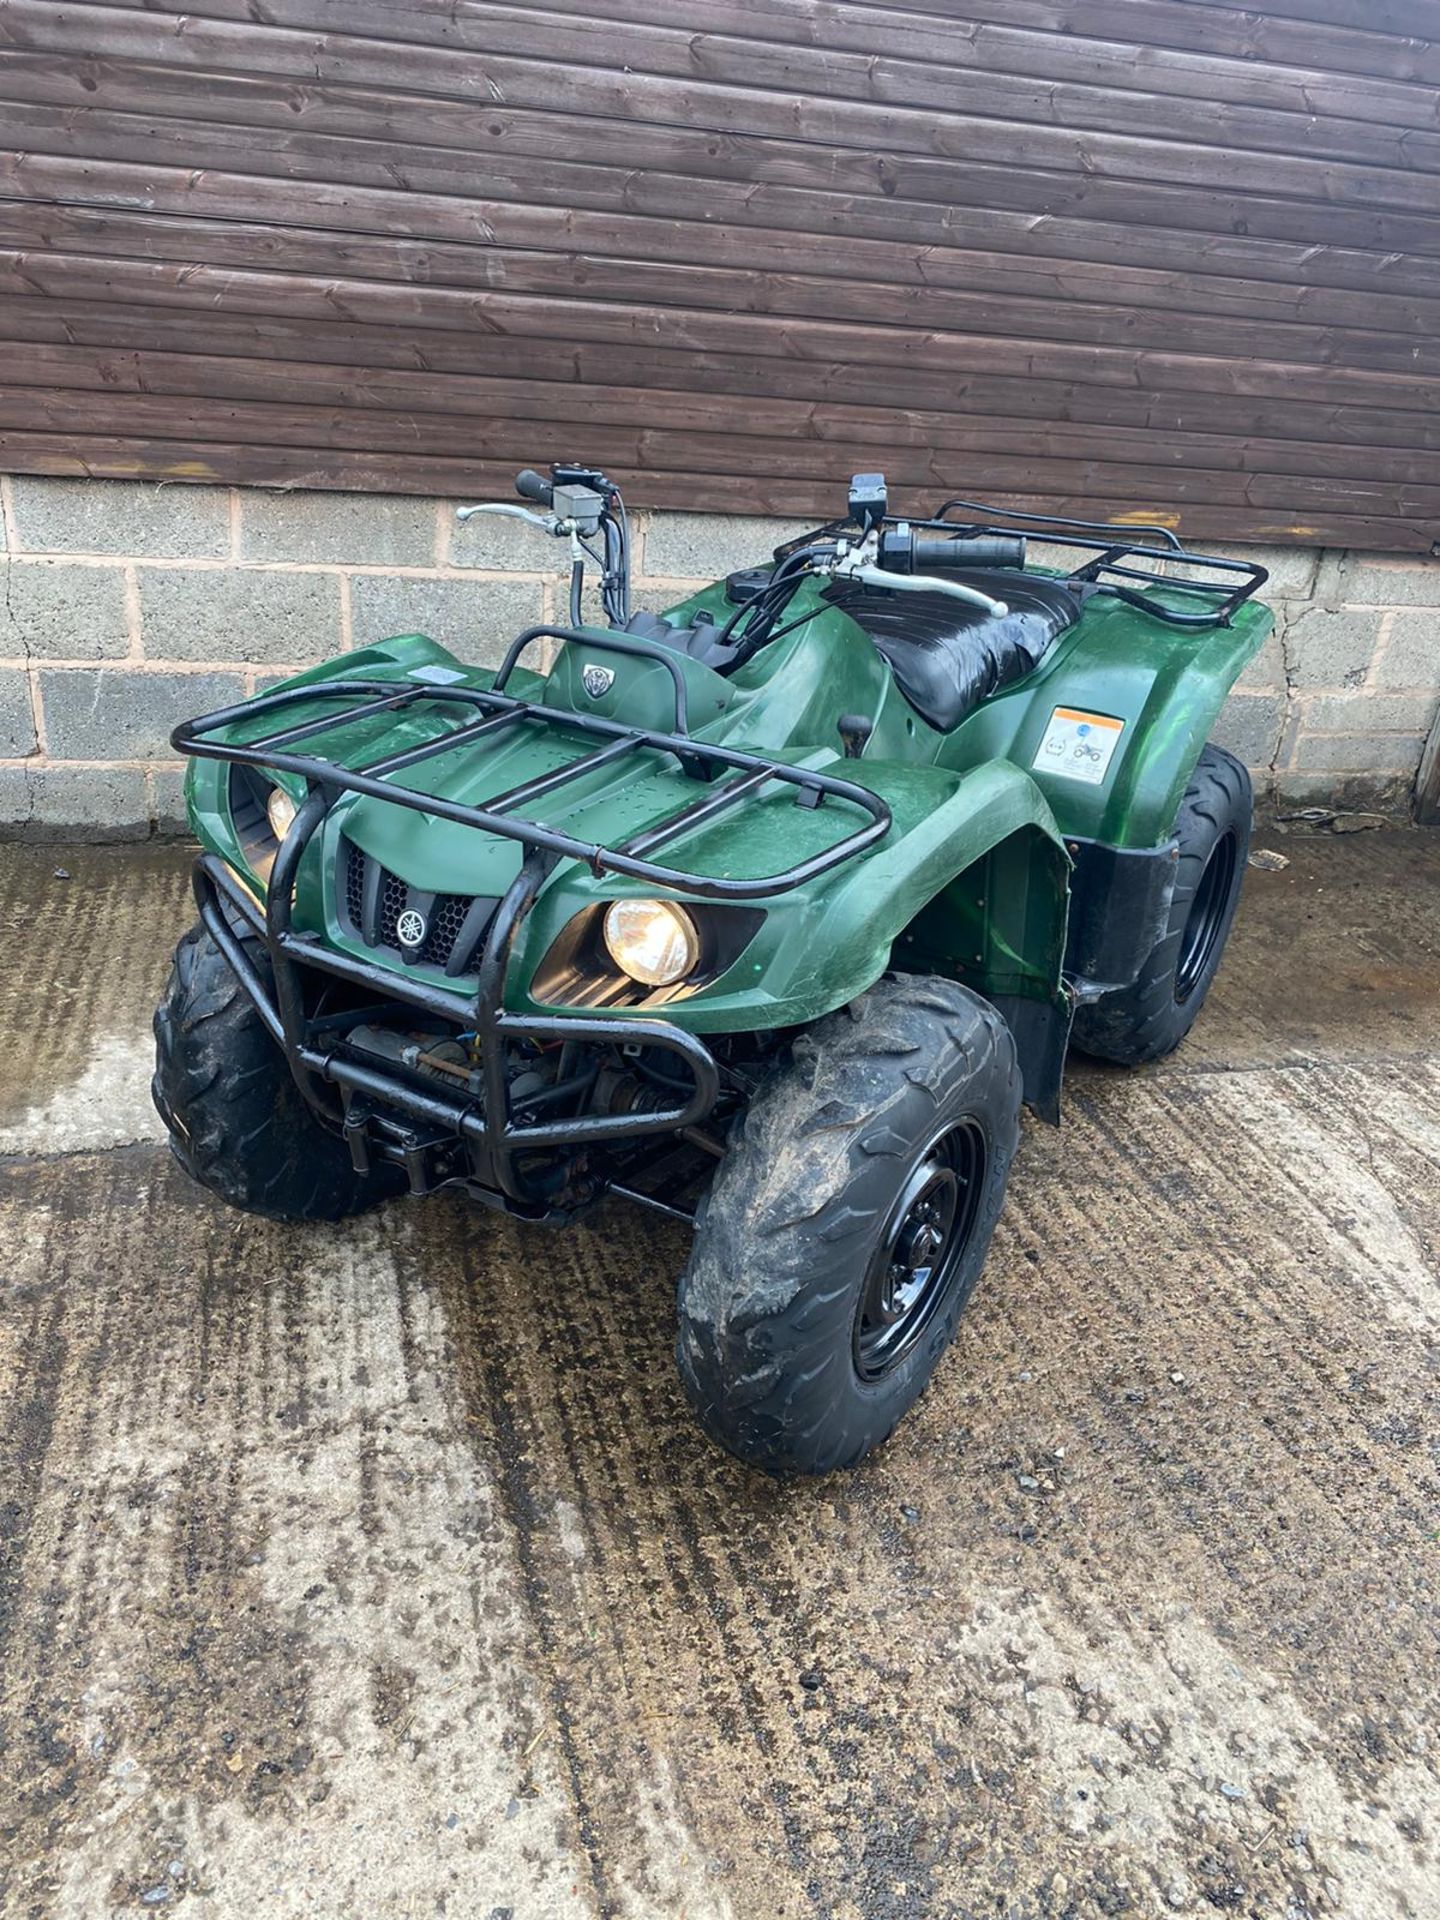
x,y
767,913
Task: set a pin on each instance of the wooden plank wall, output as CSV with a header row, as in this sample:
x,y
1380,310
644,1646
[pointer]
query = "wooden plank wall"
x,y
1161,256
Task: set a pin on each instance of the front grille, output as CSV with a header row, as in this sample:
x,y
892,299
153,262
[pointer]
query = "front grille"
x,y
394,896
445,924
354,886
445,914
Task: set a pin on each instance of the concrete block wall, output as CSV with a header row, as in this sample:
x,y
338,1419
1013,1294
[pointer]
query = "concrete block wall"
x,y
128,606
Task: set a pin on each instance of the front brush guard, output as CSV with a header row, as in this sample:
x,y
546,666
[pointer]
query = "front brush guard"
x,y
485,1127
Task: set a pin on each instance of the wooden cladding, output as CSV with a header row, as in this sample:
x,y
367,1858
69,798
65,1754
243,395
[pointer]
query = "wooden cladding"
x,y
1132,258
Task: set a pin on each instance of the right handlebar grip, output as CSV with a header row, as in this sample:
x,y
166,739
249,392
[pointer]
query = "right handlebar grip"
x,y
968,550
532,486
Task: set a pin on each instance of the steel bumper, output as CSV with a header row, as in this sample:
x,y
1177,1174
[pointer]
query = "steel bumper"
x,y
383,1112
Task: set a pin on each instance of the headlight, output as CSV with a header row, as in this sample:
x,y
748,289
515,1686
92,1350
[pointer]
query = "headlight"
x,y
654,941
280,811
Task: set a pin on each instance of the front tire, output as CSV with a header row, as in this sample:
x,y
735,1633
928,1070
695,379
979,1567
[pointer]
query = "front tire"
x,y
1150,1018
847,1226
238,1123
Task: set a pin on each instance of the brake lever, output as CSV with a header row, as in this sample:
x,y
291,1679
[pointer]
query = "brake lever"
x,y
545,521
851,566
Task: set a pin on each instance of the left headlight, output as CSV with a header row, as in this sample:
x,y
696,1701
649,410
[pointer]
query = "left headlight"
x,y
280,811
654,941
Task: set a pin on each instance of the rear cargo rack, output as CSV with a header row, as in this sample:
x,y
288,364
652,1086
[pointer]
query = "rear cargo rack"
x,y
493,711
1114,547
1214,601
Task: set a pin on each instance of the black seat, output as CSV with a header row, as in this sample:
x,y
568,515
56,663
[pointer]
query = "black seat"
x,y
948,656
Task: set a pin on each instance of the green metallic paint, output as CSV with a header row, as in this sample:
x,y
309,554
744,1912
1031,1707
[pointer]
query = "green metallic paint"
x,y
830,940
971,880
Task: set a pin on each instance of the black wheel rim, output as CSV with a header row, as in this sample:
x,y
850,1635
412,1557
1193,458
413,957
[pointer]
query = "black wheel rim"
x,y
1204,924
924,1242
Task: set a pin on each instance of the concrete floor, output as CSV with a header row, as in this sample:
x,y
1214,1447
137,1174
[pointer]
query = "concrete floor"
x,y
382,1571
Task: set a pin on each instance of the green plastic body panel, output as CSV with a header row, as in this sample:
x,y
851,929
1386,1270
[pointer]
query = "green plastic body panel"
x,y
1166,685
971,880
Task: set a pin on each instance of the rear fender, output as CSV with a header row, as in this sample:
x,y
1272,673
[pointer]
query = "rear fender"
x,y
1164,687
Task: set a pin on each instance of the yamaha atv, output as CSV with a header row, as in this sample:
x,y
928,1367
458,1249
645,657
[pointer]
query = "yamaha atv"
x,y
768,914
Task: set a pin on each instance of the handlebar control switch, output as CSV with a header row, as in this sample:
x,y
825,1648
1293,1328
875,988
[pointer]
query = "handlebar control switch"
x,y
867,500
566,474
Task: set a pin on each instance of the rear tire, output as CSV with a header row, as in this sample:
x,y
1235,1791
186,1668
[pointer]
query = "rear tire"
x,y
847,1226
238,1123
1150,1018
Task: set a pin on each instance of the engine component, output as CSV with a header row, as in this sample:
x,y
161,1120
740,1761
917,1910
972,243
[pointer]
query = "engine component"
x,y
424,1053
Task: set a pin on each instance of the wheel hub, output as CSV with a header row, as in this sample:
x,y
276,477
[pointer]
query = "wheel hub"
x,y
1204,924
928,1229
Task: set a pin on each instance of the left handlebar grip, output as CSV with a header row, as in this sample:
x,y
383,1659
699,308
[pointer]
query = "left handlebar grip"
x,y
533,486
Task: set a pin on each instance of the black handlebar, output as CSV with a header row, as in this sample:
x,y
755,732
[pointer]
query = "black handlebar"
x,y
907,549
533,486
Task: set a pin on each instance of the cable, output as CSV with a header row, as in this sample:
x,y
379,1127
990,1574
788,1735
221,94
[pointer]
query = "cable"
x,y
615,566
624,520
799,621
757,614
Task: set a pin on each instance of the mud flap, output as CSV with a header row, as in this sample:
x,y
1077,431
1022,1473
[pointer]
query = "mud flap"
x,y
1119,908
1041,1029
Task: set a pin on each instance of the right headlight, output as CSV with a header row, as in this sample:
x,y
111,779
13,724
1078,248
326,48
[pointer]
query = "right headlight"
x,y
653,941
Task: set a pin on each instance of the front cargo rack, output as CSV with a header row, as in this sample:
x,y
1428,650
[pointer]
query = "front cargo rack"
x,y
383,1112
496,712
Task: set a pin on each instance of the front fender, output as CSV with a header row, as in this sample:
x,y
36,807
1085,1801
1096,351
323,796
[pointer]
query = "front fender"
x,y
820,946
901,894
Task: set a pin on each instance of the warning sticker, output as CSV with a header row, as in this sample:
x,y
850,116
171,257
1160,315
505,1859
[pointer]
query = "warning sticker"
x,y
1078,746
437,675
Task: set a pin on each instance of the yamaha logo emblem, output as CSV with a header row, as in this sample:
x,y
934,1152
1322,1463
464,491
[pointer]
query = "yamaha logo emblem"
x,y
596,679
410,928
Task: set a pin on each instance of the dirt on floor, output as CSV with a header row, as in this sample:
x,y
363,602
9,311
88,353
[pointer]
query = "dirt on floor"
x,y
382,1571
